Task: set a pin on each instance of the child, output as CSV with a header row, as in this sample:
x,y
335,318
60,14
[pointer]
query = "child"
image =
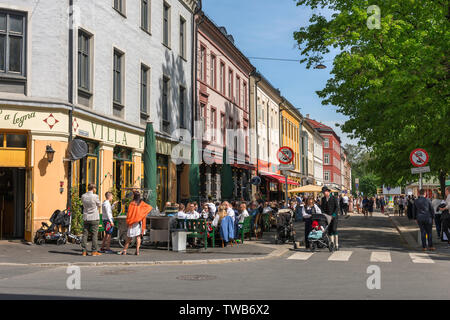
x,y
108,223
316,232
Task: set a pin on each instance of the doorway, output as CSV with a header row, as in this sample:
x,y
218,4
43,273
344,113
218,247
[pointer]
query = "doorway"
x,y
12,203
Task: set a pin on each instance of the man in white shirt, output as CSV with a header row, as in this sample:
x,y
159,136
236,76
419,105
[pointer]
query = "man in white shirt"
x,y
345,204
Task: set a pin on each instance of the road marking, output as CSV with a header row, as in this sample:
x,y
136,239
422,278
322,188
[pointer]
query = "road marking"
x,y
340,256
380,256
420,258
301,256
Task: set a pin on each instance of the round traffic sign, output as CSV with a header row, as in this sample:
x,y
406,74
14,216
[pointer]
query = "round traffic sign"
x,y
419,157
285,155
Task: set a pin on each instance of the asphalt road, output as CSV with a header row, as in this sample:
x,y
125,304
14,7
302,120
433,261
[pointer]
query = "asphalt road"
x,y
365,242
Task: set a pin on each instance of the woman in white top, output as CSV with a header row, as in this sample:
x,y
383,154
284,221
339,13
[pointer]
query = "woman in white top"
x,y
181,214
437,213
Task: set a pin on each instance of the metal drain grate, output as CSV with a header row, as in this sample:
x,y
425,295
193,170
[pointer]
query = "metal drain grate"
x,y
196,277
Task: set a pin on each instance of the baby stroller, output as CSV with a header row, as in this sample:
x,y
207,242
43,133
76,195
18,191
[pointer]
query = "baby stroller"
x,y
59,219
319,238
285,226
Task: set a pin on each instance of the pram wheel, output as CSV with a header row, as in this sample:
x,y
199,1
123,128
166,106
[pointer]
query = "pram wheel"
x,y
313,247
61,241
40,242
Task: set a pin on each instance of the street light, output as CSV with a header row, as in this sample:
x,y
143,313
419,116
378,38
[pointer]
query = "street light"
x,y
320,66
50,153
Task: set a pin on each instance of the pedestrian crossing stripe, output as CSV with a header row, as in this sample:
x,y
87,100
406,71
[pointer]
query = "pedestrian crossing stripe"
x,y
420,258
380,256
376,256
301,256
340,256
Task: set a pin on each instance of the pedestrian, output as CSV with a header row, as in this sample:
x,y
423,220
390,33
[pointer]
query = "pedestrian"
x,y
341,205
382,204
345,204
437,213
409,209
108,222
308,209
136,221
370,206
91,218
401,206
424,214
365,204
445,215
329,205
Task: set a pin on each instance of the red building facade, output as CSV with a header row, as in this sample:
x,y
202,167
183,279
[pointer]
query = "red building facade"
x,y
332,170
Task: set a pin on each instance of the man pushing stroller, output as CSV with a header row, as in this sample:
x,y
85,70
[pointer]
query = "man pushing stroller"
x,y
329,205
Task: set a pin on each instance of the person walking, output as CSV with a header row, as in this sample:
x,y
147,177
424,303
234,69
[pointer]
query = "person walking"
x,y
308,210
445,215
437,213
91,218
136,220
423,213
382,204
345,204
329,205
370,206
401,206
108,222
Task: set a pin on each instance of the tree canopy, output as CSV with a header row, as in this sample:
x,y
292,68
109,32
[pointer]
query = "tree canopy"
x,y
392,82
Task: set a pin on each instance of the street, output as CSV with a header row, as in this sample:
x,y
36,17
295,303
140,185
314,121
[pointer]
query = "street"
x,y
373,241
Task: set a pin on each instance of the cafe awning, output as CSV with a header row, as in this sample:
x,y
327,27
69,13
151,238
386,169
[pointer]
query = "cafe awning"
x,y
278,178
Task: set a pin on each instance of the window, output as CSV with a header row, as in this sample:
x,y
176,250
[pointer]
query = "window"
x,y
182,37
165,104
326,159
119,5
182,107
230,84
84,61
204,115
202,63
213,71
213,124
245,95
326,143
145,15
118,83
145,71
224,126
166,25
222,78
238,91
12,43
326,175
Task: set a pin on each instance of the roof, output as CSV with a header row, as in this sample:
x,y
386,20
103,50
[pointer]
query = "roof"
x,y
322,128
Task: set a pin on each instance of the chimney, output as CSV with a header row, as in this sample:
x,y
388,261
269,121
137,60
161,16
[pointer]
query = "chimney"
x,y
307,116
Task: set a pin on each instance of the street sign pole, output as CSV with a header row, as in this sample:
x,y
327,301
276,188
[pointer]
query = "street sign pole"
x,y
420,181
286,193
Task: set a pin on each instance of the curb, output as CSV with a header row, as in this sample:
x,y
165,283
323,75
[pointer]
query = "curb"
x,y
408,239
413,244
273,254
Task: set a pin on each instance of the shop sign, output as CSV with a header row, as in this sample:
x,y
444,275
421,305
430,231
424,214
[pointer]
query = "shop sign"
x,y
25,119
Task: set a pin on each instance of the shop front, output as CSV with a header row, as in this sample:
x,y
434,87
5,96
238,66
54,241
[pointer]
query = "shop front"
x,y
33,173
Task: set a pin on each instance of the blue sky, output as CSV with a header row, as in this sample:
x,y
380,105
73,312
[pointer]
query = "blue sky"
x,y
264,28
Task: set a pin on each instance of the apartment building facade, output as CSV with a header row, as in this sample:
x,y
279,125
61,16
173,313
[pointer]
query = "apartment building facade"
x,y
69,72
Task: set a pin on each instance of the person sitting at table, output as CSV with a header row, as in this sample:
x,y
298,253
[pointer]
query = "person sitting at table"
x,y
191,213
220,214
181,214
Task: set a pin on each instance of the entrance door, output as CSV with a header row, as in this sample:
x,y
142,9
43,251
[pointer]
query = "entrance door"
x,y
12,203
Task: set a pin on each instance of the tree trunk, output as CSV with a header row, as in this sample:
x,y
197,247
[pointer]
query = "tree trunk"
x,y
442,176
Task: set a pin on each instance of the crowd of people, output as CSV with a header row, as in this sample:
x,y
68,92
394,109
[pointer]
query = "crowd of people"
x,y
234,213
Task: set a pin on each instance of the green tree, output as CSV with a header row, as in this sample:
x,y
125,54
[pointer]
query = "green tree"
x,y
392,82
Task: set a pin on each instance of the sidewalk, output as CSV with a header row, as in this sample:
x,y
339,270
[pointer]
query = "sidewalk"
x,y
18,253
409,230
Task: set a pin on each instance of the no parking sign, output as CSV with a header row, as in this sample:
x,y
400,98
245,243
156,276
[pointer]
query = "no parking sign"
x,y
419,157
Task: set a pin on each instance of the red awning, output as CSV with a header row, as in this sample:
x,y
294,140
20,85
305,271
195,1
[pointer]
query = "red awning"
x,y
279,178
